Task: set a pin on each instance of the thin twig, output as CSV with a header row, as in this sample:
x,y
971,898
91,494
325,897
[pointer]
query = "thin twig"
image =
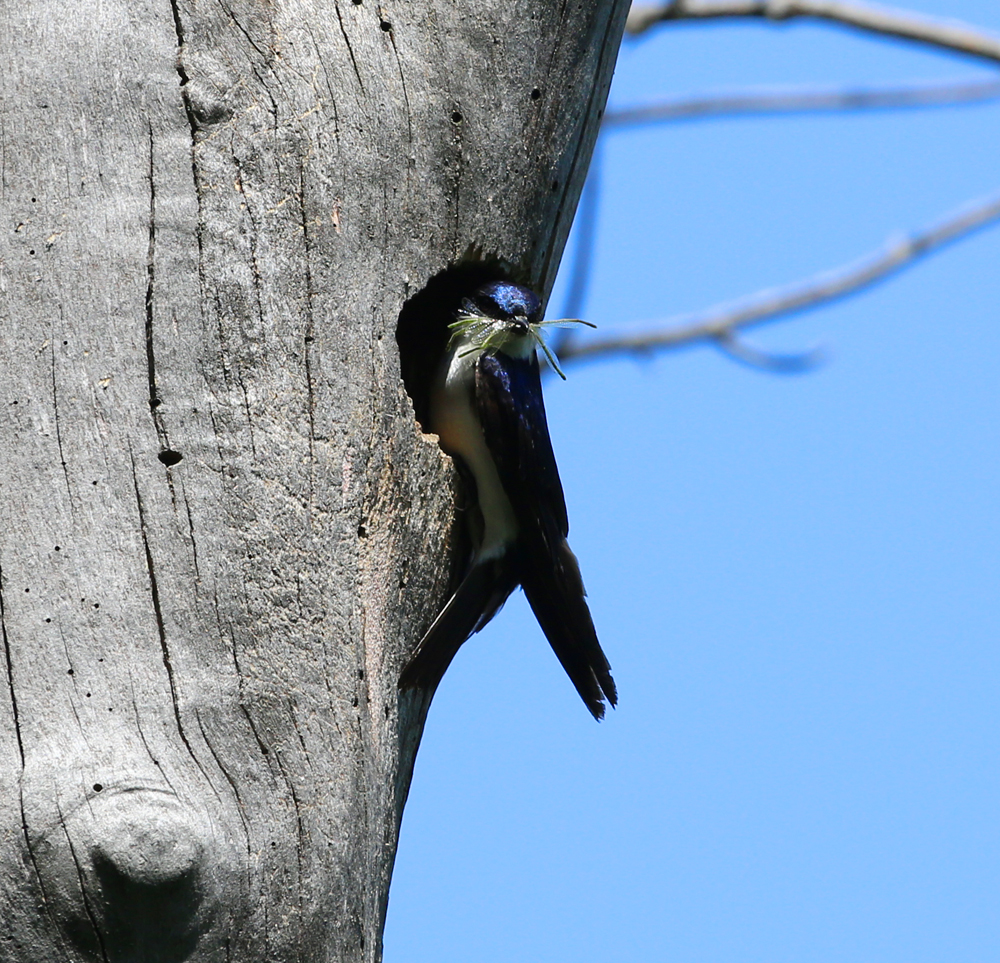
x,y
721,321
797,100
586,232
903,24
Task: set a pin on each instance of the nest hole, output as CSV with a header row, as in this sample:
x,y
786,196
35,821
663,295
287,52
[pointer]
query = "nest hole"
x,y
422,330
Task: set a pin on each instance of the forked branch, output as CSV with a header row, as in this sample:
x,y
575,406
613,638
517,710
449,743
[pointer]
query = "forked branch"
x,y
721,323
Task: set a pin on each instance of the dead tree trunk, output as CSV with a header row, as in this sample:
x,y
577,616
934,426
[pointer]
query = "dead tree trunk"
x,y
221,531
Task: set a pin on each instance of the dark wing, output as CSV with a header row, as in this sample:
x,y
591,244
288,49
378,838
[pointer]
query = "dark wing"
x,y
512,413
483,590
555,592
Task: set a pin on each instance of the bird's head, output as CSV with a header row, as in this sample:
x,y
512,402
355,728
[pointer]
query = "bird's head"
x,y
507,303
502,316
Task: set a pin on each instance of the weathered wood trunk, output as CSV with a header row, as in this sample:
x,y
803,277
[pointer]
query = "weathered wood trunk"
x,y
221,531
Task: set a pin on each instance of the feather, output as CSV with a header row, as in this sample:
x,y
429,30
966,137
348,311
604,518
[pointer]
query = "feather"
x,y
512,413
483,591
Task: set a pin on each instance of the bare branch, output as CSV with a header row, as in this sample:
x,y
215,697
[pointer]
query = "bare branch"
x,y
721,321
903,24
795,100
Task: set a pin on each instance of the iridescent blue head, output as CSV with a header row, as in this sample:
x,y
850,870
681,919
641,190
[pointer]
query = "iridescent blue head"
x,y
504,301
504,317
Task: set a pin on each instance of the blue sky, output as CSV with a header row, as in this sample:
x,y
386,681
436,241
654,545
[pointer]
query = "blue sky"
x,y
795,577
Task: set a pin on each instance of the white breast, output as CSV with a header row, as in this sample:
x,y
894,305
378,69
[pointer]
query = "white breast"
x,y
456,422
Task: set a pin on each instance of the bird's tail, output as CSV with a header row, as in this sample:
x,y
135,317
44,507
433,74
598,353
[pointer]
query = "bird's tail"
x,y
483,591
558,599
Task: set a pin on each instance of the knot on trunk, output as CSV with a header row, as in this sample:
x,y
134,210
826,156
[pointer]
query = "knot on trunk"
x,y
135,874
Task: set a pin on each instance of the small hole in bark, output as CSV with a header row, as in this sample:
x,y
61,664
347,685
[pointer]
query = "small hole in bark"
x,y
98,787
48,620
354,702
155,402
58,549
535,94
555,185
362,533
88,695
456,116
169,457
93,483
361,673
309,340
97,605
32,251
69,672
387,712
27,590
34,199
385,25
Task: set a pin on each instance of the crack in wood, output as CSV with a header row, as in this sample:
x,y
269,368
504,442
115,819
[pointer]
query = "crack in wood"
x,y
300,827
161,630
350,49
240,808
154,401
406,96
10,674
266,55
329,86
142,734
183,80
309,338
190,520
46,902
88,909
55,413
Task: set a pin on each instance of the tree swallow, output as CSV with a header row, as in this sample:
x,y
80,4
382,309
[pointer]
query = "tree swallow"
x,y
486,408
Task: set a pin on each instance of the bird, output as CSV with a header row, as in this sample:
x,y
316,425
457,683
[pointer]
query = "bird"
x,y
486,407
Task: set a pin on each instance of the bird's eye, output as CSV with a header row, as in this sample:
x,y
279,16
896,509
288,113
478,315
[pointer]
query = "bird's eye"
x,y
520,326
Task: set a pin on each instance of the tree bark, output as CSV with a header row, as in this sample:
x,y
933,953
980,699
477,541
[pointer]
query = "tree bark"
x,y
221,530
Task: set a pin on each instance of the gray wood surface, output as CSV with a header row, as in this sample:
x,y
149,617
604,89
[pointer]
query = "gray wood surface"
x,y
221,531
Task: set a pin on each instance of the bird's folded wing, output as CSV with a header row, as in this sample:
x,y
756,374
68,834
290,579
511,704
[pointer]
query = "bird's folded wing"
x,y
512,413
484,589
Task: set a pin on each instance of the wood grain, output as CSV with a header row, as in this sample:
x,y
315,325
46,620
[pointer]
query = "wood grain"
x,y
221,530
